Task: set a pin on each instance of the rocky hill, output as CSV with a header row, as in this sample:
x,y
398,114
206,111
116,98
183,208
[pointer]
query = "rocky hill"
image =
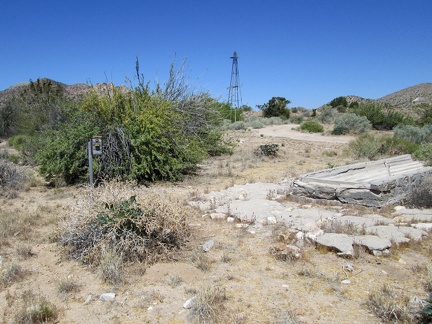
x,y
72,91
421,93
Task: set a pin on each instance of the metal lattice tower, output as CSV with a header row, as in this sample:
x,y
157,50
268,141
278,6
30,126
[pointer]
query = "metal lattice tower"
x,y
234,93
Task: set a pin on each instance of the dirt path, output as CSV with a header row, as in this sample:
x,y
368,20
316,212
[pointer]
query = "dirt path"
x,y
289,131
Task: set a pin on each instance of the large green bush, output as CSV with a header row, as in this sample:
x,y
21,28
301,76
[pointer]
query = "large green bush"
x,y
415,134
354,123
326,114
381,117
276,107
312,127
146,135
365,146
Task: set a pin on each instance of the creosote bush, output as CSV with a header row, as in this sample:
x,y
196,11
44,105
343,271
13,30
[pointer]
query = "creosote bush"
x,y
140,226
312,127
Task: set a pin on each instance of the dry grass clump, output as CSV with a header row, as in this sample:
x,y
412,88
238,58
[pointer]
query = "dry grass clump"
x,y
110,266
208,305
390,306
35,309
23,250
11,177
16,224
140,226
67,286
14,272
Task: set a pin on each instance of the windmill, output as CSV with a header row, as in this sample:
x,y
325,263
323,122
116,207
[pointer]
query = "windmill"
x,y
234,93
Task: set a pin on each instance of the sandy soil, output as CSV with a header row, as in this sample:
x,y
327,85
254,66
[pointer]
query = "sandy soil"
x,y
259,288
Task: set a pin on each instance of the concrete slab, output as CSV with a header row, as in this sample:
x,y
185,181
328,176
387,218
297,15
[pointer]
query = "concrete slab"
x,y
374,183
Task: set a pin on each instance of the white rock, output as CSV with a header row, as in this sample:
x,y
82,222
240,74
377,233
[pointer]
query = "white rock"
x,y
271,220
346,281
208,245
217,216
107,297
88,299
189,303
230,220
397,208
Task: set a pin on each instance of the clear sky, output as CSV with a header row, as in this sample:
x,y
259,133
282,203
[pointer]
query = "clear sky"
x,y
308,51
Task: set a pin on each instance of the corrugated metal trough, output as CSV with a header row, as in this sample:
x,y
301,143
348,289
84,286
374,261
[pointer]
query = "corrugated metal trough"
x,y
374,183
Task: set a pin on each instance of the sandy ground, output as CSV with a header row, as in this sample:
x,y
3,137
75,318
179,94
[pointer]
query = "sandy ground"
x,y
290,131
259,288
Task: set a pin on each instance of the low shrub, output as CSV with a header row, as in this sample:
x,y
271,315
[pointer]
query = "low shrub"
x,y
146,227
396,146
340,130
312,127
36,309
208,306
365,146
354,123
327,114
11,177
424,153
268,149
296,119
389,306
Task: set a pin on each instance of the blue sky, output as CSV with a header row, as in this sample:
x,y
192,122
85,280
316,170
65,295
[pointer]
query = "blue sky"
x,y
308,51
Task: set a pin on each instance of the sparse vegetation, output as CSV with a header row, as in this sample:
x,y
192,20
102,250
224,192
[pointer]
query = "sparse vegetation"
x,y
208,304
36,309
390,306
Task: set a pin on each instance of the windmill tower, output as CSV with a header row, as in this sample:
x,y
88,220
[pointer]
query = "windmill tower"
x,y
234,93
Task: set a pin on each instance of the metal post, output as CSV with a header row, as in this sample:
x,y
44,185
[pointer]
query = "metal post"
x,y
90,159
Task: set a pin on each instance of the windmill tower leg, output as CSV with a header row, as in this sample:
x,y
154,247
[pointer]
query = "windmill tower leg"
x,y
234,93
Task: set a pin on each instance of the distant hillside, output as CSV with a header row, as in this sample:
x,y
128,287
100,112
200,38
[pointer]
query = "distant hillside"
x,y
72,91
421,93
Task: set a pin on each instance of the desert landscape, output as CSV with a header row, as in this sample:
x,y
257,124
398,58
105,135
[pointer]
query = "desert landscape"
x,y
231,269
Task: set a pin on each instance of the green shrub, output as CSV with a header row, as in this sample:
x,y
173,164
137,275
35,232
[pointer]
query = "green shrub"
x,y
353,122
296,119
18,141
426,312
327,114
340,130
268,149
312,127
424,153
409,133
365,146
395,146
256,124
276,107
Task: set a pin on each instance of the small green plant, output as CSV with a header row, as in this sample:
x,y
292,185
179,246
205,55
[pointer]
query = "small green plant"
x,y
426,312
312,127
268,149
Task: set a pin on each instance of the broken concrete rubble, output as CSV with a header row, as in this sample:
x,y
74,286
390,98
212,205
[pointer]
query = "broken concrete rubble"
x,y
374,183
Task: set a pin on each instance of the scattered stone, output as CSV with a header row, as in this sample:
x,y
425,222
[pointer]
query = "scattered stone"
x,y
340,242
208,245
216,216
285,286
189,303
380,253
107,297
230,219
88,299
242,225
271,220
398,208
348,267
346,282
372,242
314,233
